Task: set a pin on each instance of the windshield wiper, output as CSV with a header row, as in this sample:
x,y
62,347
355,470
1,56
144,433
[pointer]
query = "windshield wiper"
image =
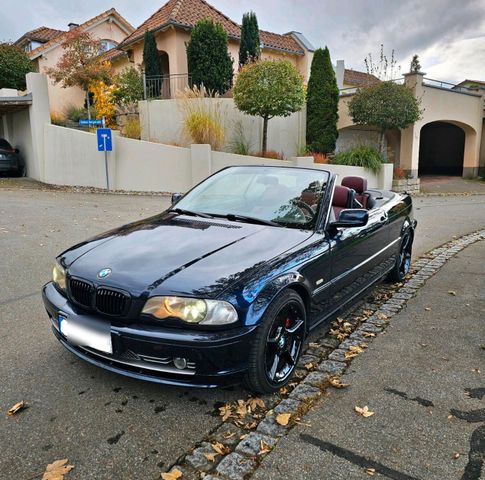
x,y
245,218
182,211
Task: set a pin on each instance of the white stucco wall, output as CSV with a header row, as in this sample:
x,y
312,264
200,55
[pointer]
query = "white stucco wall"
x,y
162,120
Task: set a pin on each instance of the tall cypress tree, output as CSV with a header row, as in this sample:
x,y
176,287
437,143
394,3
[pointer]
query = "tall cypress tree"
x,y
249,48
208,59
151,62
322,104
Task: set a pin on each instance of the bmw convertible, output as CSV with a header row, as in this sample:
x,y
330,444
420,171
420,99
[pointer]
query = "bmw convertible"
x,y
225,285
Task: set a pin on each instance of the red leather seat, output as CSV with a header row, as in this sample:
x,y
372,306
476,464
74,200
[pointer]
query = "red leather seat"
x,y
358,184
340,199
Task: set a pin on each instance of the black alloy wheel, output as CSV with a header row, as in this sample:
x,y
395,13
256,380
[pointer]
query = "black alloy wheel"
x,y
274,355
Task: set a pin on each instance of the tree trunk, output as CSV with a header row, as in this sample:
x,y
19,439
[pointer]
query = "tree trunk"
x,y
87,105
265,134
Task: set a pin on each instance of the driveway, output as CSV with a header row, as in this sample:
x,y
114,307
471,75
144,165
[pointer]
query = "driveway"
x,y
108,426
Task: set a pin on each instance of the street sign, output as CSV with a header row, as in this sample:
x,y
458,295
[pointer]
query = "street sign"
x,y
88,123
105,142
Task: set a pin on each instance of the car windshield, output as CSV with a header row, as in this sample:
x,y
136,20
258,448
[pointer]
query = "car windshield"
x,y
286,196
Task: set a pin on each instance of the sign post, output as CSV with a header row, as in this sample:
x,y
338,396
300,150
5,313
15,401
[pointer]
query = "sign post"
x,y
105,144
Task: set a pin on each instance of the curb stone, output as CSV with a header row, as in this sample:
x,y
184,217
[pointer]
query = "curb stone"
x,y
244,460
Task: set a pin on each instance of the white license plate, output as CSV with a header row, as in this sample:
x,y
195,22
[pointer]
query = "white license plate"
x,y
86,333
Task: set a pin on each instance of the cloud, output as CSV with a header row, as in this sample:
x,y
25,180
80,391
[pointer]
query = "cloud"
x,y
445,33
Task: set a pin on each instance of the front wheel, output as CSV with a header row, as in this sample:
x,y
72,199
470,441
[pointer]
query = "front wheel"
x,y
403,261
274,354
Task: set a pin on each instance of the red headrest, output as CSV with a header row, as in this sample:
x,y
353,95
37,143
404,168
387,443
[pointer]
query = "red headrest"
x,y
340,196
358,184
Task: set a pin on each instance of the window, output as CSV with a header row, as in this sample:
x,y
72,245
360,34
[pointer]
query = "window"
x,y
106,45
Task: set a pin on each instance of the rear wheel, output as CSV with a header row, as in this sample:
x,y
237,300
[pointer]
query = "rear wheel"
x,y
278,344
403,261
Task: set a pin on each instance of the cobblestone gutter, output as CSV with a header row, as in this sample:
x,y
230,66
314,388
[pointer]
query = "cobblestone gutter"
x,y
250,431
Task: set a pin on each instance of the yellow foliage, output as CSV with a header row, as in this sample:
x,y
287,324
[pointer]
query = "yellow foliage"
x,y
104,101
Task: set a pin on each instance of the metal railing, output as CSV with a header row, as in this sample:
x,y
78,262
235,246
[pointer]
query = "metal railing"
x,y
431,82
164,86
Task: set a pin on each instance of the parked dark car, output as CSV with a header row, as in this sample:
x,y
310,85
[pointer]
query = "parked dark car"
x,y
226,284
10,160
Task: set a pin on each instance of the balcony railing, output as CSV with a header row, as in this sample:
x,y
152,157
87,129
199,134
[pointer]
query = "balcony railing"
x,y
164,86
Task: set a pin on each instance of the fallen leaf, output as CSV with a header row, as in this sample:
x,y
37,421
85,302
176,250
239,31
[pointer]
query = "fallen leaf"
x,y
313,345
220,448
427,309
452,292
16,408
265,448
56,470
174,474
211,456
353,351
225,411
370,471
456,455
283,418
255,403
364,411
336,383
449,417
228,434
309,366
381,316
369,334
241,409
476,370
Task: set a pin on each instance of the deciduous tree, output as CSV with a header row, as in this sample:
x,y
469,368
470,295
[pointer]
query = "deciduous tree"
x,y
269,89
386,105
209,62
322,104
14,65
80,64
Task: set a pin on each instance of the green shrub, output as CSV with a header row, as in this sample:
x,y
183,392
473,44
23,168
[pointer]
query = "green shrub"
x,y
360,156
239,143
75,114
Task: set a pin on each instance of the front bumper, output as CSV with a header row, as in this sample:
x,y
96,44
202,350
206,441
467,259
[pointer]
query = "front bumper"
x,y
144,352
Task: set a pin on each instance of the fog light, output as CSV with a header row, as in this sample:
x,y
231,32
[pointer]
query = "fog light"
x,y
180,363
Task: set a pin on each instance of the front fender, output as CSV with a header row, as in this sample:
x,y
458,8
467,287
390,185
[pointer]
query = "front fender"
x,y
267,294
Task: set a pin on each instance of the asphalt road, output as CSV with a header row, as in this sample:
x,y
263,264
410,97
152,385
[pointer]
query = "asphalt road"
x,y
108,426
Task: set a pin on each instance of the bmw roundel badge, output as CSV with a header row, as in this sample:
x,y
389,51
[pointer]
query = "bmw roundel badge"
x,y
104,273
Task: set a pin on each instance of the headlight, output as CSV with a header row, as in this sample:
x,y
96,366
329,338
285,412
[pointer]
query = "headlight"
x,y
191,310
59,276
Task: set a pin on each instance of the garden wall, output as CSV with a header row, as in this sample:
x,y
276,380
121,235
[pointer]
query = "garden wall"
x,y
162,120
71,157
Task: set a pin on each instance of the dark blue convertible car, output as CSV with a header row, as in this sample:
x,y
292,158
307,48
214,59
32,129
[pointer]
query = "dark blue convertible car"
x,y
226,284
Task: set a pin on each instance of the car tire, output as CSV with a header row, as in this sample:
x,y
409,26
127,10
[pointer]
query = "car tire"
x,y
403,260
281,334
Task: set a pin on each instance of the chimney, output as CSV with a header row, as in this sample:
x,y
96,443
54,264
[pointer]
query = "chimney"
x,y
72,26
339,73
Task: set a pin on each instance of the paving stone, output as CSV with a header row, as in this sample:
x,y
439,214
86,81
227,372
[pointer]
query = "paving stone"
x,y
333,368
235,467
396,301
403,295
338,355
350,342
357,336
320,352
316,379
199,461
305,393
228,434
290,405
378,322
305,359
369,327
270,427
330,342
251,445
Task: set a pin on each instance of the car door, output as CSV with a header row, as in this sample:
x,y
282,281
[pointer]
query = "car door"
x,y
357,257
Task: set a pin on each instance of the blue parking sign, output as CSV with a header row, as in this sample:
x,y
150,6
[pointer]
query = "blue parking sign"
x,y
105,142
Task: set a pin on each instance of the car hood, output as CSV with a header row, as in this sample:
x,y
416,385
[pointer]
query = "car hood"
x,y
173,254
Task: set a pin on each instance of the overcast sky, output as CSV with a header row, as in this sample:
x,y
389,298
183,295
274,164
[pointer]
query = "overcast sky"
x,y
448,35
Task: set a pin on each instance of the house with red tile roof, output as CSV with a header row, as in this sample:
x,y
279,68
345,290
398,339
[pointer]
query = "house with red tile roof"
x,y
44,47
172,23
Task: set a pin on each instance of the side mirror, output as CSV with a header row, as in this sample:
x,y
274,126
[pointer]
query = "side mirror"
x,y
176,197
351,218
